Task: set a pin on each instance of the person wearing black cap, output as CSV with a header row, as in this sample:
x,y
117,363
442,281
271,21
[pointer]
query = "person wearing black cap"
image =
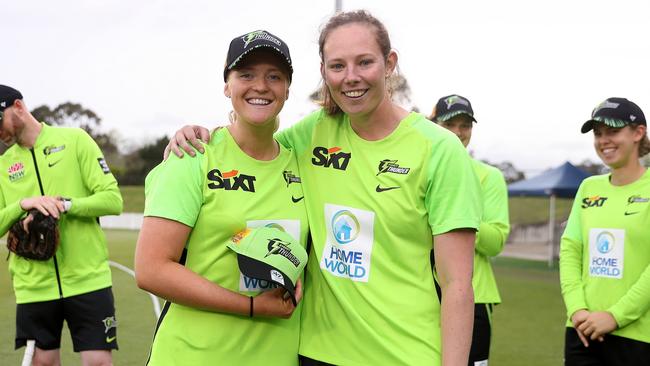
x,y
455,113
215,313
383,186
45,164
605,248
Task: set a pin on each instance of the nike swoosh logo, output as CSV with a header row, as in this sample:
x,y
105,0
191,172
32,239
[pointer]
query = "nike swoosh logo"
x,y
380,189
110,339
53,164
296,200
631,213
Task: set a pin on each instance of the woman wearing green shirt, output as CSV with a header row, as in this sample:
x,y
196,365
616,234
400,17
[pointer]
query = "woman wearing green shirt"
x,y
605,249
214,315
382,187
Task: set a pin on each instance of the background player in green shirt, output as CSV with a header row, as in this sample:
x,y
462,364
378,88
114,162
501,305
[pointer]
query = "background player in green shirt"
x,y
214,314
605,248
42,165
455,113
382,186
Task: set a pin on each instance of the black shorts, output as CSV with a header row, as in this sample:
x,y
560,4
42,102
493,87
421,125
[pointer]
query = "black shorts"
x,y
613,351
90,318
480,351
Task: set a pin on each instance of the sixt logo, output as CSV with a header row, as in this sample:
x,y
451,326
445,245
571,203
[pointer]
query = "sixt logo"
x,y
278,247
16,171
290,178
637,199
231,181
333,157
595,201
391,166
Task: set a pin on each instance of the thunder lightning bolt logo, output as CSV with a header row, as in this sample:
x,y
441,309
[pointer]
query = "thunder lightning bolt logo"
x,y
250,37
275,246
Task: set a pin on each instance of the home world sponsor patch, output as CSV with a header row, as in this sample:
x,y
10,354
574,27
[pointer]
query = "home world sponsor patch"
x,y
292,227
606,252
348,249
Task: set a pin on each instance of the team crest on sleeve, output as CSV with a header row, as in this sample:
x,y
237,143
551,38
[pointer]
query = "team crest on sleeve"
x,y
103,165
16,171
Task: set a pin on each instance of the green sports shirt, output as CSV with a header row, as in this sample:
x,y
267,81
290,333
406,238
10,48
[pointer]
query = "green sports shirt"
x,y
373,208
65,162
493,232
219,194
605,254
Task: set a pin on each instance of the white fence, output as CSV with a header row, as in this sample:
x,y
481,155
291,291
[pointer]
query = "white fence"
x,y
127,220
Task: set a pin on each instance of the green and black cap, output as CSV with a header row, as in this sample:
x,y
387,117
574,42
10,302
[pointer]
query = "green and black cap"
x,y
451,106
615,112
244,44
270,254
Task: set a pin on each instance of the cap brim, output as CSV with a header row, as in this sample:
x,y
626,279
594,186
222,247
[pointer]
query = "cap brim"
x,y
450,115
262,271
284,57
588,126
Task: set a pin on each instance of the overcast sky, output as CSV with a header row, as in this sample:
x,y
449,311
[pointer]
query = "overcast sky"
x,y
532,70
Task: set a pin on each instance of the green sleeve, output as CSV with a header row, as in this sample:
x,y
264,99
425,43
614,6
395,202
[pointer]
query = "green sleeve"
x,y
104,198
453,196
495,225
174,189
571,259
635,303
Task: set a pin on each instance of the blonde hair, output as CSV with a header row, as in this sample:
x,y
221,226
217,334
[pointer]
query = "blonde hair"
x,y
644,146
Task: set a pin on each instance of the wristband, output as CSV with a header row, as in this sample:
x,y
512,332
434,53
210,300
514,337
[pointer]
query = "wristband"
x,y
67,204
250,312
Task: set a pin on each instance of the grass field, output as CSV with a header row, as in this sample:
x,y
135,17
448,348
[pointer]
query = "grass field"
x,y
528,325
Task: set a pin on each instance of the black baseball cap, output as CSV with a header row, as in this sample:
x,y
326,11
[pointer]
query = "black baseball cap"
x,y
615,112
452,106
244,44
8,96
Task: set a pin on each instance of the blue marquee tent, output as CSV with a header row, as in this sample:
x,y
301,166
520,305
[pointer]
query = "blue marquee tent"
x,y
562,181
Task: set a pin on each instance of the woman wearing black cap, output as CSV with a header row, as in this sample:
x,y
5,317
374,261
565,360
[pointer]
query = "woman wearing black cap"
x,y
605,248
195,206
456,114
382,187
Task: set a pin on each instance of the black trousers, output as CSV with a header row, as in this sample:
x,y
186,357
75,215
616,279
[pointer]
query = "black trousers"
x,y
613,351
481,334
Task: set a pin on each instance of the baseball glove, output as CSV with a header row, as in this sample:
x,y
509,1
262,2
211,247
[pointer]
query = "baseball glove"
x,y
40,243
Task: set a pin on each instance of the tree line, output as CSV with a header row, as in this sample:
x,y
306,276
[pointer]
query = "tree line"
x,y
130,167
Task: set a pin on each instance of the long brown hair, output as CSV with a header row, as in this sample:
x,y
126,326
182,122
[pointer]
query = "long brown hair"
x,y
340,19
